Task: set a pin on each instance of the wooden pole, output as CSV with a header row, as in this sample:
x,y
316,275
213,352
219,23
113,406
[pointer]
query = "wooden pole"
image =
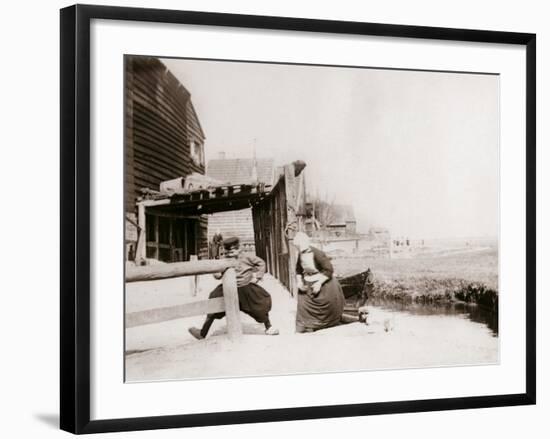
x,y
195,278
291,217
142,237
231,298
178,269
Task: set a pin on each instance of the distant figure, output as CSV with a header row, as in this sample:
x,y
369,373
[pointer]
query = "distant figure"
x,y
253,299
217,242
320,299
131,253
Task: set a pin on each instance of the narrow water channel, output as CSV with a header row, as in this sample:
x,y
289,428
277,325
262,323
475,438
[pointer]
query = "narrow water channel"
x,y
464,311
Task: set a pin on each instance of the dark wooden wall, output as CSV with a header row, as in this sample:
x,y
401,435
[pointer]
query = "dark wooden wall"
x,y
160,125
129,186
276,220
161,128
270,219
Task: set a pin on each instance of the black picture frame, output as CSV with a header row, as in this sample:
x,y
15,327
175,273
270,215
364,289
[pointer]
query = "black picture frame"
x,y
75,217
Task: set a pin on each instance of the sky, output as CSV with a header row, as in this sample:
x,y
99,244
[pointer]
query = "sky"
x,y
415,152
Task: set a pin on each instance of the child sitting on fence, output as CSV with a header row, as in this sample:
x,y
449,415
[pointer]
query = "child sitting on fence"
x,y
253,299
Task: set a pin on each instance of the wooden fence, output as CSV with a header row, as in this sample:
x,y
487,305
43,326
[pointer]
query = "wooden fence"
x,y
229,303
276,219
269,220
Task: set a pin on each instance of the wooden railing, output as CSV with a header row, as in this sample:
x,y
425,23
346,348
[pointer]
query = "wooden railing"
x,y
229,303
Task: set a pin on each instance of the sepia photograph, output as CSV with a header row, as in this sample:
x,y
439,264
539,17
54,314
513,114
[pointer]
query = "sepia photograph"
x,y
294,218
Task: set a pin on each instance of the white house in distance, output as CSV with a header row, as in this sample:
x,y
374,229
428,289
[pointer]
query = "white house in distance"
x,y
237,171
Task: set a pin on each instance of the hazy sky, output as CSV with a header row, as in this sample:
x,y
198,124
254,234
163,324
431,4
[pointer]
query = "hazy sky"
x,y
416,152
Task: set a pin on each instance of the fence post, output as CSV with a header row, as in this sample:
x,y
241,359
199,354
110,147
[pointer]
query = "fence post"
x,y
231,299
195,280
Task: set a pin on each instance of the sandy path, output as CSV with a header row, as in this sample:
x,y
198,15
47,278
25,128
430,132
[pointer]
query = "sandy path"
x,y
166,350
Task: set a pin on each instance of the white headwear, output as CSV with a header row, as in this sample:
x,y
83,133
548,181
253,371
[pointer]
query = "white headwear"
x,y
302,241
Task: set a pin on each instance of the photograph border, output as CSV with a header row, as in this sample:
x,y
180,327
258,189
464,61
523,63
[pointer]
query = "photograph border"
x,y
75,216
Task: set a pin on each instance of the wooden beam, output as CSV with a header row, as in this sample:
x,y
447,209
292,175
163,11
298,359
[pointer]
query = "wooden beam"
x,y
291,218
151,203
157,315
141,244
231,299
178,269
131,221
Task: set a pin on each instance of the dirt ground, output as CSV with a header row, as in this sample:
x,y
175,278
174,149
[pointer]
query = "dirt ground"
x,y
166,350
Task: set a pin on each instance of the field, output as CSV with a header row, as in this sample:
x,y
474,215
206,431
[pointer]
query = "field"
x,y
470,275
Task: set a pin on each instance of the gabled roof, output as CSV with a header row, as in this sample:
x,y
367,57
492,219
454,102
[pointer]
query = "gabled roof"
x,y
186,92
238,171
195,118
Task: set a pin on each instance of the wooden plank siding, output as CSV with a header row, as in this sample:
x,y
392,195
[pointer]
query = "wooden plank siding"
x,y
160,124
237,171
233,223
276,219
129,202
269,220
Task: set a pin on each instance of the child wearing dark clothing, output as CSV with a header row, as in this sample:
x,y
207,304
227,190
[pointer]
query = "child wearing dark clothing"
x,y
253,299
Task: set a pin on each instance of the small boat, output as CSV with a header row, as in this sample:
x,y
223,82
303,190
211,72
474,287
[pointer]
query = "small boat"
x,y
359,284
357,289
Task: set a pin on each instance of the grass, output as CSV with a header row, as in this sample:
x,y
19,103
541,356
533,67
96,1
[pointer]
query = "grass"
x,y
468,277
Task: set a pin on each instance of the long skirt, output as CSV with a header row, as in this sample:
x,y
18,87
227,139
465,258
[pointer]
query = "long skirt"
x,y
321,311
253,300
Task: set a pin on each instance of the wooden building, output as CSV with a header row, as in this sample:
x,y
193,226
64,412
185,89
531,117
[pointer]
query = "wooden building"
x,y
342,221
238,171
163,140
164,143
277,213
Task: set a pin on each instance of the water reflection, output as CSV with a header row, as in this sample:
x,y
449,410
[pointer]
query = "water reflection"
x,y
473,313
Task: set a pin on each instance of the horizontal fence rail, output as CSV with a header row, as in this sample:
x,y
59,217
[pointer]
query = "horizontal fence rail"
x,y
229,303
158,315
178,269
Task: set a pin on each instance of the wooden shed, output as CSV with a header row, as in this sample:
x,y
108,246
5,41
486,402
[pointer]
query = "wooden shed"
x,y
163,140
237,171
342,220
278,211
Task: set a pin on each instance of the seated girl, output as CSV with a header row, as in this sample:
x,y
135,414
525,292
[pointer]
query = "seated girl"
x,y
253,299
